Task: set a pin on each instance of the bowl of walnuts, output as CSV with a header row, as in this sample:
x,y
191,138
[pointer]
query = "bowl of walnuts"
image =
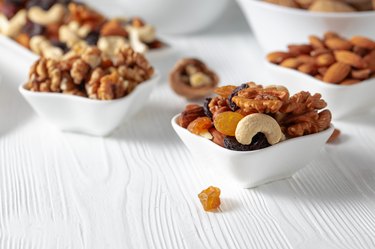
x,y
89,92
293,20
247,134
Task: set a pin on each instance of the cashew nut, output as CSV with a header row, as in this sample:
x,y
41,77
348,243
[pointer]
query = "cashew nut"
x,y
135,40
199,79
146,33
111,45
40,45
14,26
45,17
250,125
68,35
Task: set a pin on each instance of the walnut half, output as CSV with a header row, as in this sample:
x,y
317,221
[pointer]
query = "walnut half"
x,y
192,79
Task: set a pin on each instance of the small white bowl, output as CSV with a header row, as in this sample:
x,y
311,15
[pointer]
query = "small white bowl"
x,y
342,100
84,115
249,169
277,26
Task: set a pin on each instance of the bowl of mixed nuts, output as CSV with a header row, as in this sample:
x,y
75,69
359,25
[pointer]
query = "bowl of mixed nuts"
x,y
89,92
248,133
341,69
52,28
277,25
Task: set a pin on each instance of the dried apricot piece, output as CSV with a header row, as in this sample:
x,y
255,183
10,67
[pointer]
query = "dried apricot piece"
x,y
200,125
210,198
226,122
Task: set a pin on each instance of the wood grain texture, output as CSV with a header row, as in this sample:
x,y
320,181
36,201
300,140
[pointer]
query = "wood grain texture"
x,y
137,188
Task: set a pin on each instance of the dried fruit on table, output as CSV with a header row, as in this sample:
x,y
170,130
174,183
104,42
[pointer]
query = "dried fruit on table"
x,y
200,126
226,122
210,198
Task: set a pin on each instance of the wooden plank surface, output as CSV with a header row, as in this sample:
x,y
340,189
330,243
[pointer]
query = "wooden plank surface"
x,y
137,188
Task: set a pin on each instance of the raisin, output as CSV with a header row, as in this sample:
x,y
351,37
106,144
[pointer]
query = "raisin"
x,y
33,29
259,141
92,38
226,122
206,108
18,3
210,198
61,45
232,105
8,9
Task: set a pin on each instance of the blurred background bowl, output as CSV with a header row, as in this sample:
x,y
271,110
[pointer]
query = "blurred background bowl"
x,y
169,16
276,26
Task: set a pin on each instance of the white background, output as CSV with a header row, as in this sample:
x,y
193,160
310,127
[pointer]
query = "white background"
x,y
137,188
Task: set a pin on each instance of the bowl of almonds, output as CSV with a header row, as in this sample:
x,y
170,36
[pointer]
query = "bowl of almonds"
x,y
89,92
246,132
292,20
341,69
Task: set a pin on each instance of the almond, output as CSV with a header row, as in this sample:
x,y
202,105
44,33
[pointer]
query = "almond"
x,y
330,6
338,44
336,133
360,51
350,82
277,57
306,59
322,70
316,42
370,60
291,63
324,60
336,72
363,42
286,3
361,74
320,51
308,69
300,49
329,34
350,58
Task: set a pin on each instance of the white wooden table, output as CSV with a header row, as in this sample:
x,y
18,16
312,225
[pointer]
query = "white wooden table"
x,y
138,187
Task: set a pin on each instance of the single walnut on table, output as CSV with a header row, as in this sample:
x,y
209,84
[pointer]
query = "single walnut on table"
x,y
191,78
90,74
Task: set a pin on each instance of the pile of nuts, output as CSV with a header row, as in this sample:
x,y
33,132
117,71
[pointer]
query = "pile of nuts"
x,y
51,28
252,117
332,59
192,79
91,74
327,5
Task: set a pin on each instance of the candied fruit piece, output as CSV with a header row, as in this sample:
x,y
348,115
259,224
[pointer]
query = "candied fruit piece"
x,y
210,198
259,141
200,125
226,122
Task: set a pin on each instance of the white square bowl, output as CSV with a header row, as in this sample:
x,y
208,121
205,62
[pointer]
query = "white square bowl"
x,y
343,101
84,115
277,26
249,169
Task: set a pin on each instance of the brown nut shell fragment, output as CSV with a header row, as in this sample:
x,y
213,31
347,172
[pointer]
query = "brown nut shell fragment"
x,y
189,69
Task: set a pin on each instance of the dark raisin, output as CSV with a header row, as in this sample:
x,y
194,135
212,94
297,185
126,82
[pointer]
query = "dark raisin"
x,y
33,29
61,45
18,3
44,4
232,105
206,108
259,141
8,9
92,38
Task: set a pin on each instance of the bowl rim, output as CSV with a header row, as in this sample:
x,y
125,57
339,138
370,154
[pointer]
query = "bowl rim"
x,y
153,80
224,150
306,77
289,10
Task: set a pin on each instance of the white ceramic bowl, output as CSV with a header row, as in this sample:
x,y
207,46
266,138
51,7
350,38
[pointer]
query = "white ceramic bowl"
x,y
168,16
343,101
83,115
249,169
276,26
